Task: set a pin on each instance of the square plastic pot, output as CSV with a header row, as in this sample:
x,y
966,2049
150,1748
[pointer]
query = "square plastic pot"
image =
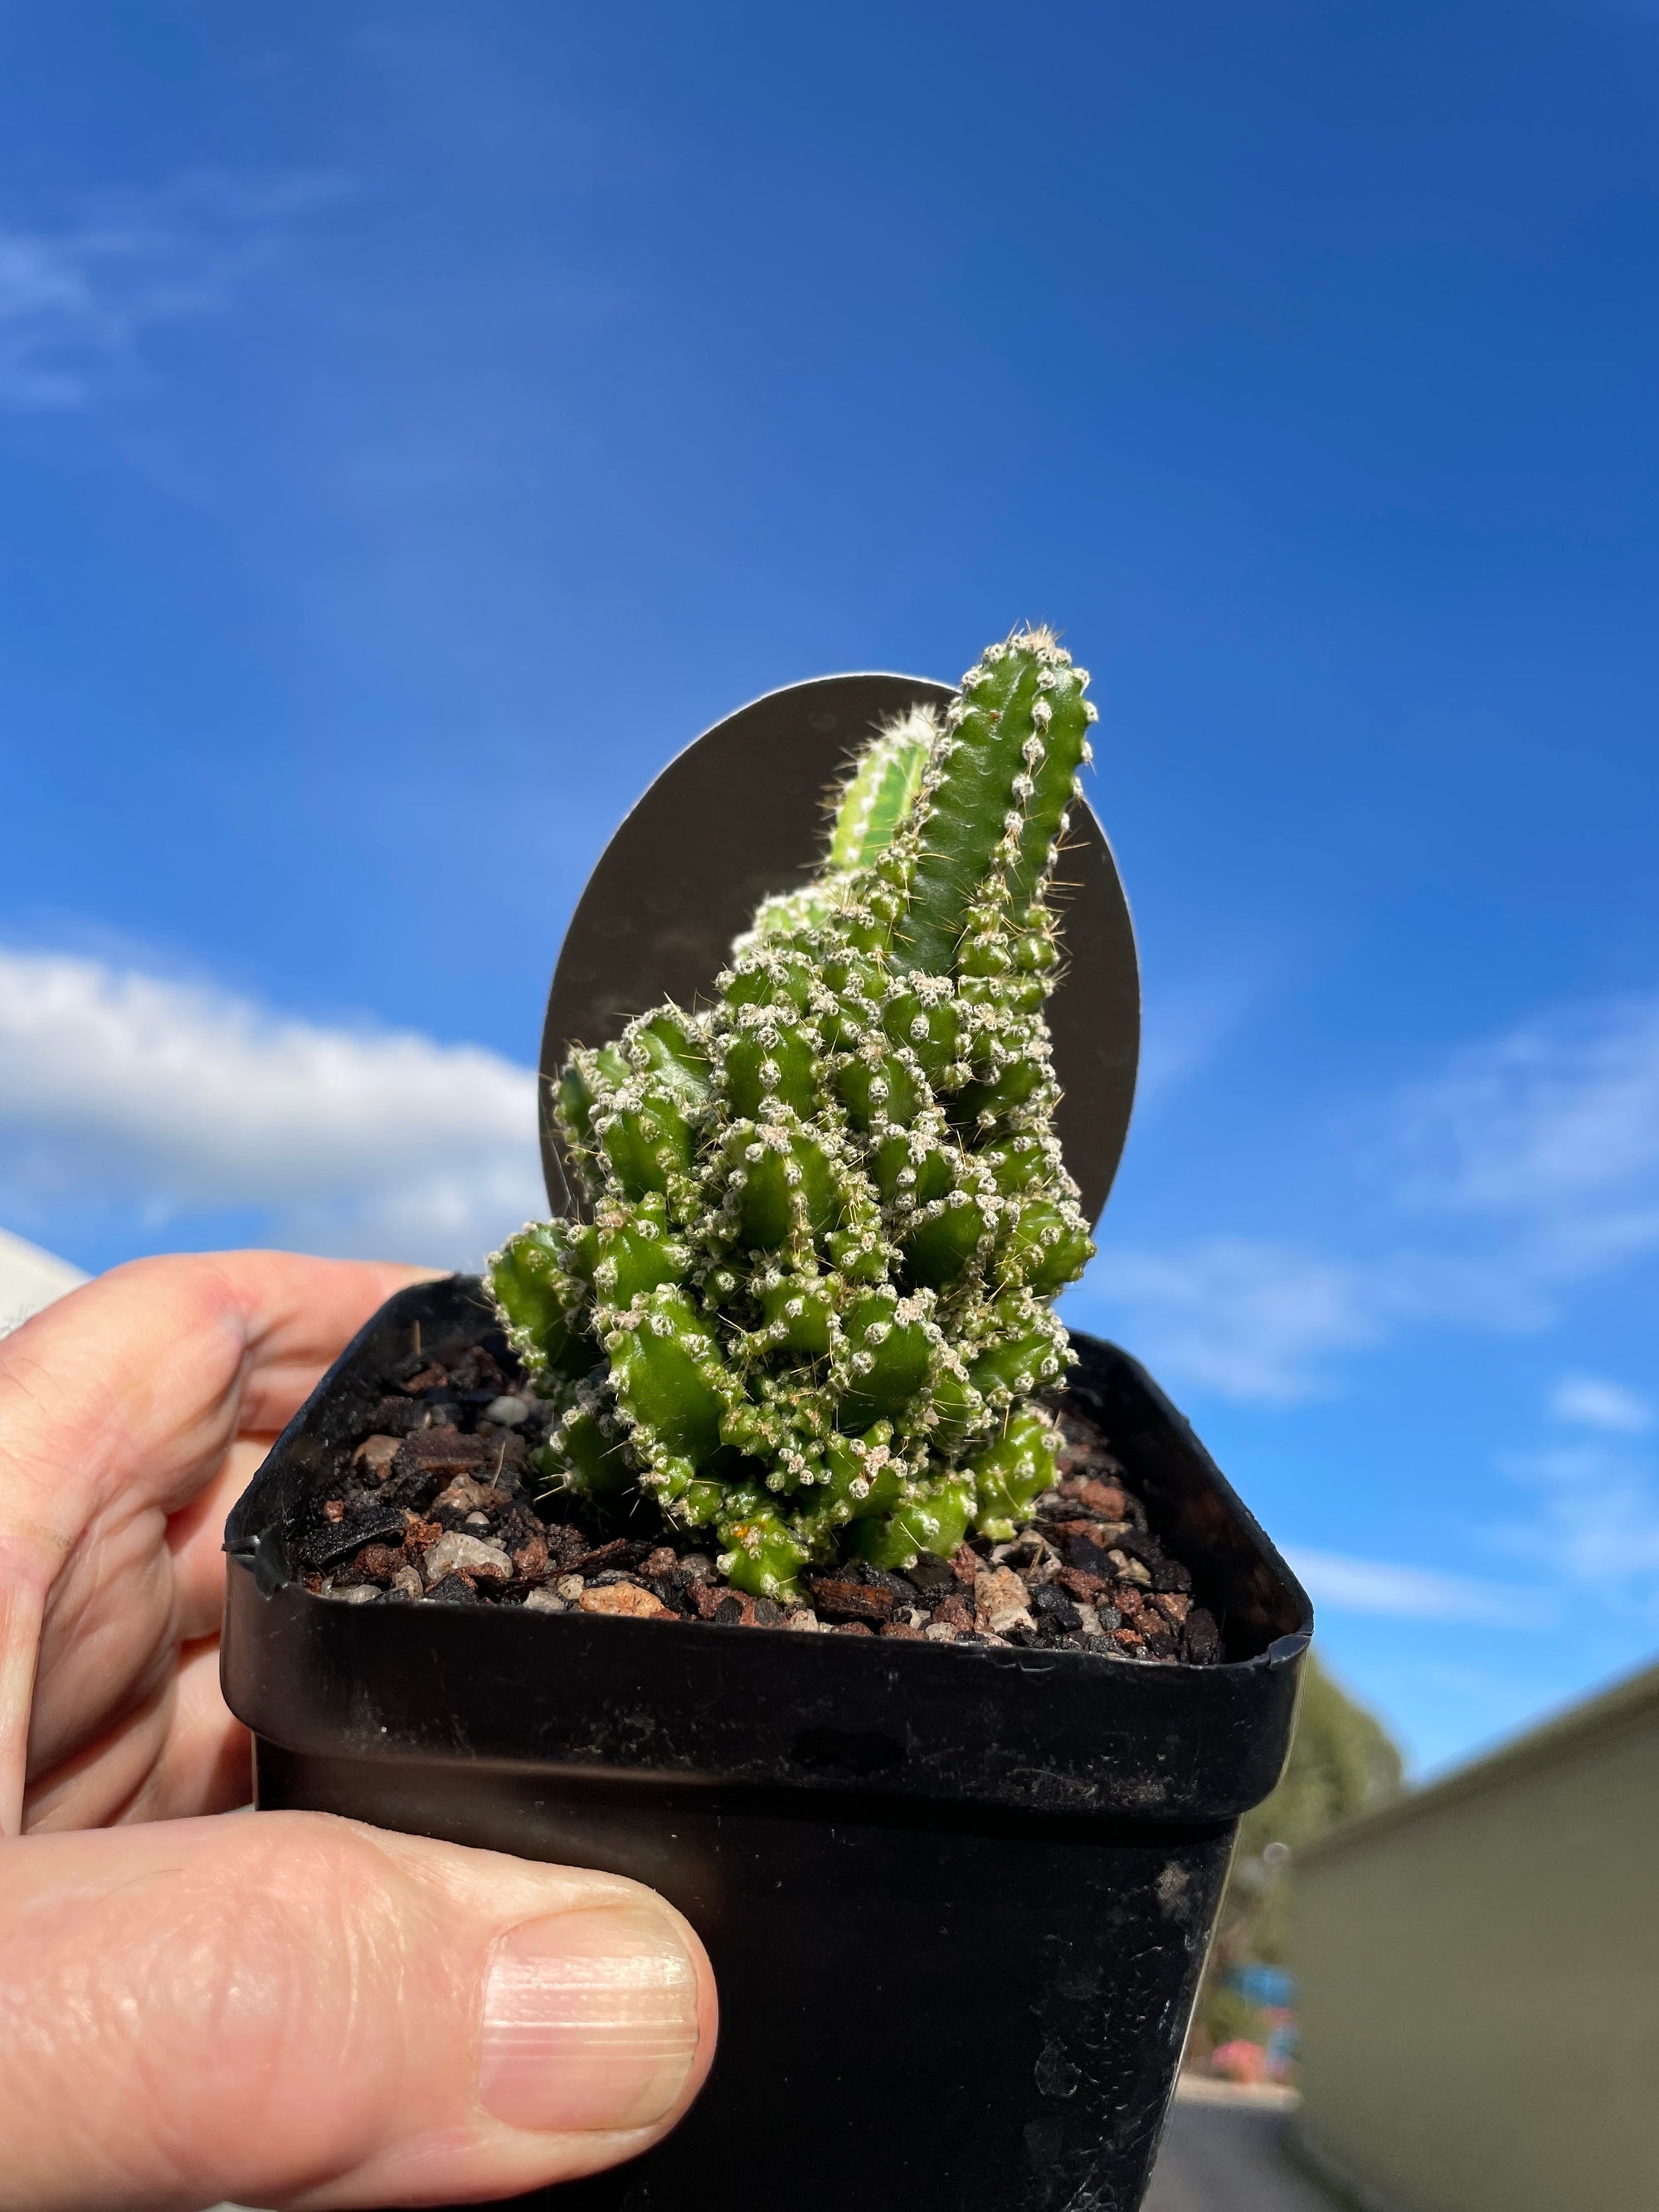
x,y
957,1899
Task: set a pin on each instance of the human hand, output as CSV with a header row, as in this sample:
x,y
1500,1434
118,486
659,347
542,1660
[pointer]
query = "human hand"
x,y
281,2008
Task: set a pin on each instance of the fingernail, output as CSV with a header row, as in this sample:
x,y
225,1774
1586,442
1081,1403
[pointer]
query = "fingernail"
x,y
590,2021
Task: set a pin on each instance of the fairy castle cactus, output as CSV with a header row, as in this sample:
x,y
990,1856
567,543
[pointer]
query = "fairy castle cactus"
x,y
827,1216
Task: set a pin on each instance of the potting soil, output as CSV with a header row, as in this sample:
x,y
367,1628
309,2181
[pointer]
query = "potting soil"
x,y
438,1501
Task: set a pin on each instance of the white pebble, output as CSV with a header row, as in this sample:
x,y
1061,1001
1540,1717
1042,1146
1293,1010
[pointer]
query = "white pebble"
x,y
506,1413
1000,1601
458,1551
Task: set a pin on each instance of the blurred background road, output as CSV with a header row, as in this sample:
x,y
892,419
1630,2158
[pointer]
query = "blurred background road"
x,y
1224,2152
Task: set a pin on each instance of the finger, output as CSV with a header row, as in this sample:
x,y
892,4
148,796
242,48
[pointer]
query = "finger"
x,y
206,1761
108,1640
285,2009
196,1538
118,1404
177,1752
147,1373
118,1619
115,1620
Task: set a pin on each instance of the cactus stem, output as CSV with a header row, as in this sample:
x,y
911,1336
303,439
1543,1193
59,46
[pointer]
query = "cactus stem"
x,y
828,1214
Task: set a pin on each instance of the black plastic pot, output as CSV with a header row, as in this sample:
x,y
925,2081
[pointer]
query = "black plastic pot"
x,y
958,1899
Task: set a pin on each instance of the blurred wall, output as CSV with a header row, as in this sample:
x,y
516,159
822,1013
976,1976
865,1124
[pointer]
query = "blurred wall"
x,y
1479,1976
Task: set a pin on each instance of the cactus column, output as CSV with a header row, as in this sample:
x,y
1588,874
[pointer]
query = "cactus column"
x,y
829,1219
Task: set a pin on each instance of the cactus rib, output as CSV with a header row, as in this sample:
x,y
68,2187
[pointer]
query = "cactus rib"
x,y
811,1307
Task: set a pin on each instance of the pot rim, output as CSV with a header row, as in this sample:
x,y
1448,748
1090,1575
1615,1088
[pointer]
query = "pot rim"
x,y
1041,1730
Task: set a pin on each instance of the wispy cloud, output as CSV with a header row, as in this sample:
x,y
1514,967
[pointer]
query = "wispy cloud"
x,y
130,1088
1592,1402
1590,1540
1371,1586
77,300
1595,1521
1553,1130
1186,1024
1527,1167
1246,1318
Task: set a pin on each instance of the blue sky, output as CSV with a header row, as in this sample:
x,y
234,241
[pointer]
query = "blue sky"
x,y
416,422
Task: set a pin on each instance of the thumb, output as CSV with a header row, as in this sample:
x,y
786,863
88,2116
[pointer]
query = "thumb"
x,y
287,2009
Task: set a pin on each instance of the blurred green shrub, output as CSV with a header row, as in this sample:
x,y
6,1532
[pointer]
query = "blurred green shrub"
x,y
1343,1762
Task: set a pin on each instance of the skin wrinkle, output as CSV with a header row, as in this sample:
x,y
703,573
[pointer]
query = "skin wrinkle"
x,y
208,1764
272,1396
20,1607
111,2041
206,1767
214,1354
256,2017
84,1600
198,1762
162,1943
196,1534
197,1541
91,1787
101,1654
166,1983
76,1727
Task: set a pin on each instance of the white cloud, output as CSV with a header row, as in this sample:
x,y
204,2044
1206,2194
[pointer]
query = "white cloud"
x,y
76,300
1371,1586
1592,1402
1247,1318
124,1088
1555,1126
1529,1167
1534,1156
128,1090
1596,1520
1592,1531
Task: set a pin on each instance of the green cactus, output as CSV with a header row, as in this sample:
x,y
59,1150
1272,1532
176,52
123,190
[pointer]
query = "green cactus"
x,y
828,1218
872,802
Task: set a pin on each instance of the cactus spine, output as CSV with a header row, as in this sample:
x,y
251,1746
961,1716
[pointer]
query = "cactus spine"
x,y
828,1216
